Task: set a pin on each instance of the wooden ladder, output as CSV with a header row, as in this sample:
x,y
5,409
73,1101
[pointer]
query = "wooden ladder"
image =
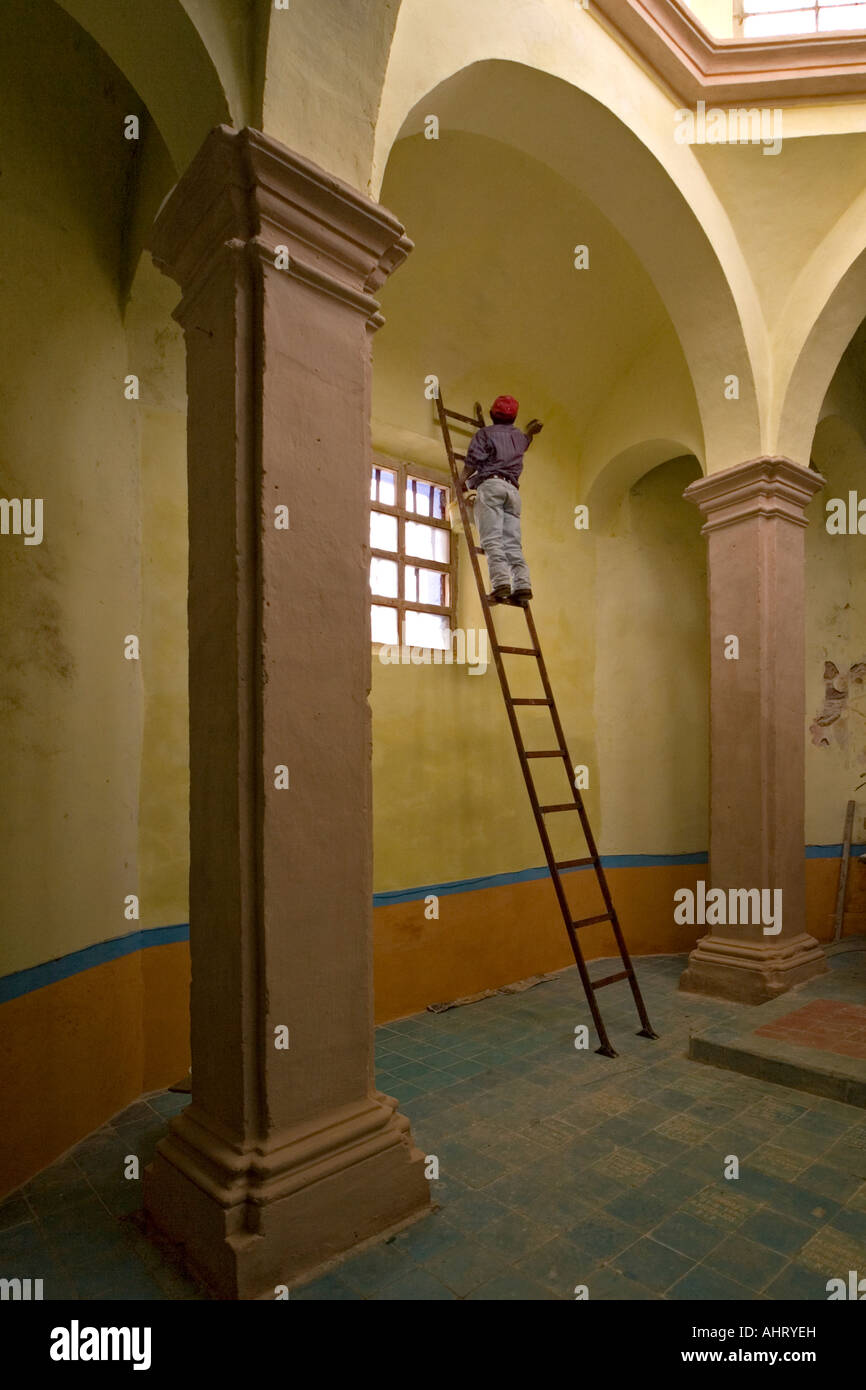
x,y
527,757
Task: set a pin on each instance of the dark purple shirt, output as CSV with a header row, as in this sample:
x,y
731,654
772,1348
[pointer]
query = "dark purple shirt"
x,y
496,449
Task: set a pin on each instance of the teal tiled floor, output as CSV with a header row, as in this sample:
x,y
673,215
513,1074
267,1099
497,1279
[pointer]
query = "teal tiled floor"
x,y
557,1169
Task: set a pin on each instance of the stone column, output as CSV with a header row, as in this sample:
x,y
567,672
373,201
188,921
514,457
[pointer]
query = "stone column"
x,y
286,1155
755,529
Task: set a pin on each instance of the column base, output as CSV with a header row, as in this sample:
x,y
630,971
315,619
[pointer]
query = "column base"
x,y
248,1222
751,972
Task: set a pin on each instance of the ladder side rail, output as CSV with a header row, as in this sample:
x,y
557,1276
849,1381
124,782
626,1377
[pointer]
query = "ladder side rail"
x,y
598,867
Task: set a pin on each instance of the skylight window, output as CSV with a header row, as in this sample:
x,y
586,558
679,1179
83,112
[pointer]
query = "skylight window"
x,y
756,19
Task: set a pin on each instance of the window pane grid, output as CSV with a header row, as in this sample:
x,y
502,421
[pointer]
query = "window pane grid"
x,y
413,560
425,498
383,486
383,531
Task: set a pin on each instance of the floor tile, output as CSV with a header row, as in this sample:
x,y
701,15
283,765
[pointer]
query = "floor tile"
x,y
513,1235
466,1266
777,1232
512,1286
330,1289
611,1285
426,1238
373,1268
688,1235
469,1213
557,1265
602,1236
800,1284
14,1212
654,1265
417,1286
746,1262
702,1284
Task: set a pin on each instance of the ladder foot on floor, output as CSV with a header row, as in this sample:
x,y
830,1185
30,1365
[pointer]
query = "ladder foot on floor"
x,y
606,1052
646,1033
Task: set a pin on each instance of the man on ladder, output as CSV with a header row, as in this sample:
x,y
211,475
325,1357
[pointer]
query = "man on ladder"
x,y
494,462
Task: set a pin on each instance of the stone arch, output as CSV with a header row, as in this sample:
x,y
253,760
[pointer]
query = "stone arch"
x,y
607,488
652,191
166,57
826,306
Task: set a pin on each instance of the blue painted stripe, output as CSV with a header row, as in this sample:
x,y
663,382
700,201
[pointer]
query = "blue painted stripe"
x,y
472,885
609,861
37,976
25,981
831,851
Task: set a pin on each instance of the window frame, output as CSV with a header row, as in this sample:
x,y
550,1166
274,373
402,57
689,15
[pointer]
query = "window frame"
x,y
405,469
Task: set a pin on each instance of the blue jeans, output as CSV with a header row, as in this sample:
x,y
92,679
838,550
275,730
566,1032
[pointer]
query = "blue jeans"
x,y
497,516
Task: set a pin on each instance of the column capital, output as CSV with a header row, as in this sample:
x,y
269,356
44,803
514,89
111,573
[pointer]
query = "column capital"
x,y
246,191
762,487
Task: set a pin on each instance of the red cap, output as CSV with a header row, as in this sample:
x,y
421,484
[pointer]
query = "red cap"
x,y
505,405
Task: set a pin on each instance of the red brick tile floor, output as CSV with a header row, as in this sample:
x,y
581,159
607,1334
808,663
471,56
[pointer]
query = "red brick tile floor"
x,y
831,1025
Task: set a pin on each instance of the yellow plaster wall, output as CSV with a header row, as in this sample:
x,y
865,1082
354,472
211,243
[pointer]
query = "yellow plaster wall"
x,y
490,301
651,708
717,16
325,67
71,704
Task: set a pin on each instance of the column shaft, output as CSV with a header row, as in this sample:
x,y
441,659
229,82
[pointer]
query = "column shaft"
x,y
287,1154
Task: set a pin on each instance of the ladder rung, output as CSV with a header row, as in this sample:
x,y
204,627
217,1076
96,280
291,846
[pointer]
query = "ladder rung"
x,y
574,863
609,979
455,415
523,701
520,651
479,549
461,457
588,921
545,753
564,806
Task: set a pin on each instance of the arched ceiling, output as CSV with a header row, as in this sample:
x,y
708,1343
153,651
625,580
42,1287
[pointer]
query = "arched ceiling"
x,y
341,82
490,301
595,154
163,55
826,306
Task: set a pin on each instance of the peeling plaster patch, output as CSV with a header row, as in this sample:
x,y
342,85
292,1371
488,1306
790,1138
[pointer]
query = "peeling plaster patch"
x,y
842,717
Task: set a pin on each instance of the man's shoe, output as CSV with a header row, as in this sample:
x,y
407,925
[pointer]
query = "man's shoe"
x,y
501,594
521,597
